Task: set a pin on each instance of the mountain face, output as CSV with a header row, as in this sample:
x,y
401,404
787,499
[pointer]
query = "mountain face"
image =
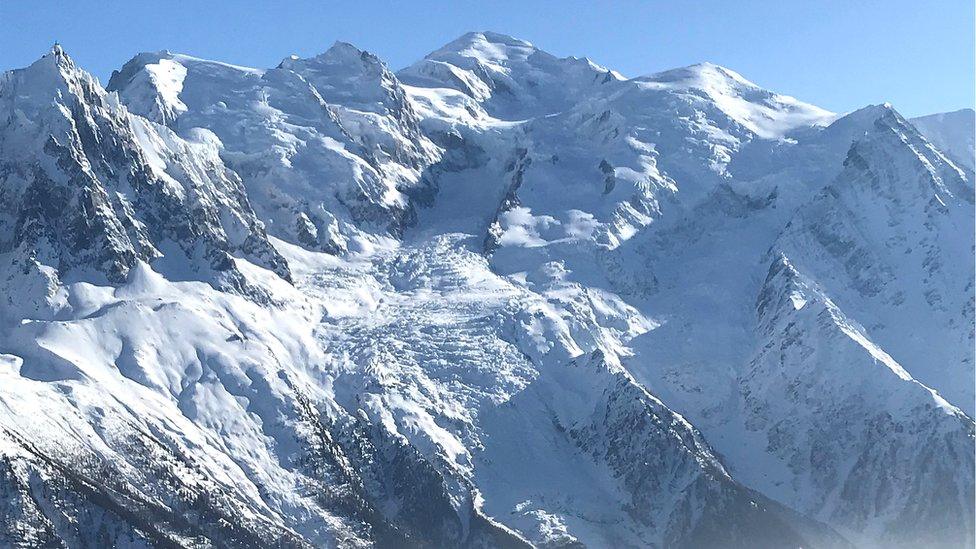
x,y
495,299
92,191
327,147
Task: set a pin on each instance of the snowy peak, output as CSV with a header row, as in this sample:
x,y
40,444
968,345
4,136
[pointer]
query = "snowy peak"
x,y
52,103
346,75
343,54
878,153
812,356
56,63
357,80
152,83
765,113
160,85
883,239
51,79
501,50
953,133
487,47
700,75
371,103
90,189
324,145
511,77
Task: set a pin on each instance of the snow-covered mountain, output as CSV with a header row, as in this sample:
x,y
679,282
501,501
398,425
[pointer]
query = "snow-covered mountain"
x,y
510,78
952,132
495,299
328,147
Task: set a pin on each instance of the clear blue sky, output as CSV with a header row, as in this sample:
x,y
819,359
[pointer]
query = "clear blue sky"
x,y
841,55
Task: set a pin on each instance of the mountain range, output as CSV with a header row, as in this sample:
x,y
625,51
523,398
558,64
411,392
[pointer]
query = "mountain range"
x,y
497,298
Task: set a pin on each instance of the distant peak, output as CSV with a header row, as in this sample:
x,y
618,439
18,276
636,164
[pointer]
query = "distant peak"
x,y
340,46
339,53
883,113
963,113
699,74
486,46
888,117
765,113
877,108
497,38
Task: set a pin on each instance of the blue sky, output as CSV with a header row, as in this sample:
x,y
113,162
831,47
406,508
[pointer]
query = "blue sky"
x,y
837,54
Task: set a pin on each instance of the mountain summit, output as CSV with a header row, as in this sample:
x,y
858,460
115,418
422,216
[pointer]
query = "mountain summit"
x,y
511,77
765,113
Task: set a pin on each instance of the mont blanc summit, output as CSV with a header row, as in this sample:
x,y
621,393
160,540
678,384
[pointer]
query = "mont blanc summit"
x,y
497,298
